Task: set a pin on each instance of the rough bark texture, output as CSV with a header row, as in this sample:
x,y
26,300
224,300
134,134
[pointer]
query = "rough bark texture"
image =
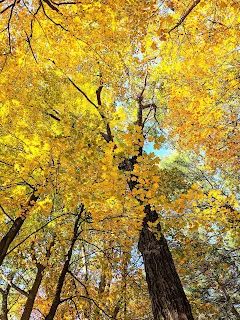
x,y
167,296
32,294
15,228
168,299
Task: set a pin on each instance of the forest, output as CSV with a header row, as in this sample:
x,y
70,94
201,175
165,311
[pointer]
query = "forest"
x,y
119,159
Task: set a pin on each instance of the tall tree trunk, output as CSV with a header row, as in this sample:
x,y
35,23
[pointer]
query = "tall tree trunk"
x,y
168,299
15,228
57,297
37,282
33,292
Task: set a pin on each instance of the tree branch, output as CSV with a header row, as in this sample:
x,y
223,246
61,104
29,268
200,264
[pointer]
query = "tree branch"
x,y
195,3
62,3
51,6
8,7
34,233
6,213
30,45
8,25
13,285
75,278
83,93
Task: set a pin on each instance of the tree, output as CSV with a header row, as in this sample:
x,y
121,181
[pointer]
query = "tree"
x,y
87,86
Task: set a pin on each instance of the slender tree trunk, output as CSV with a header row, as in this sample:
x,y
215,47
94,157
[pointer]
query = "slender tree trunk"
x,y
33,292
57,300
4,312
101,289
57,297
37,282
87,310
116,311
168,299
15,228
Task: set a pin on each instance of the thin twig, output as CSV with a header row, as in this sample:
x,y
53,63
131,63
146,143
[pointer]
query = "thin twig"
x,y
30,46
8,25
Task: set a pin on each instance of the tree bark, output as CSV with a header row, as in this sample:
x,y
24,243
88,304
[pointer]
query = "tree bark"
x,y
15,228
4,313
33,292
9,237
37,282
168,299
57,297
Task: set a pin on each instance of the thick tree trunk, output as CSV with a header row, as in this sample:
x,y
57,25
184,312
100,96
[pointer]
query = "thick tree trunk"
x,y
168,299
32,294
15,228
167,296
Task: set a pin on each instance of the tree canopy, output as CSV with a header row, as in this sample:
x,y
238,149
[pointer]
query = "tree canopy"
x,y
91,218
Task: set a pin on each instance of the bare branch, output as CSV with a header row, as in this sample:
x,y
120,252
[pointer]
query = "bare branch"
x,y
30,46
216,22
66,299
150,105
49,18
98,93
140,106
8,25
53,116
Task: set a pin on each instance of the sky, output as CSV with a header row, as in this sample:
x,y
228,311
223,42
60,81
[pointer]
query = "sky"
x,y
164,151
